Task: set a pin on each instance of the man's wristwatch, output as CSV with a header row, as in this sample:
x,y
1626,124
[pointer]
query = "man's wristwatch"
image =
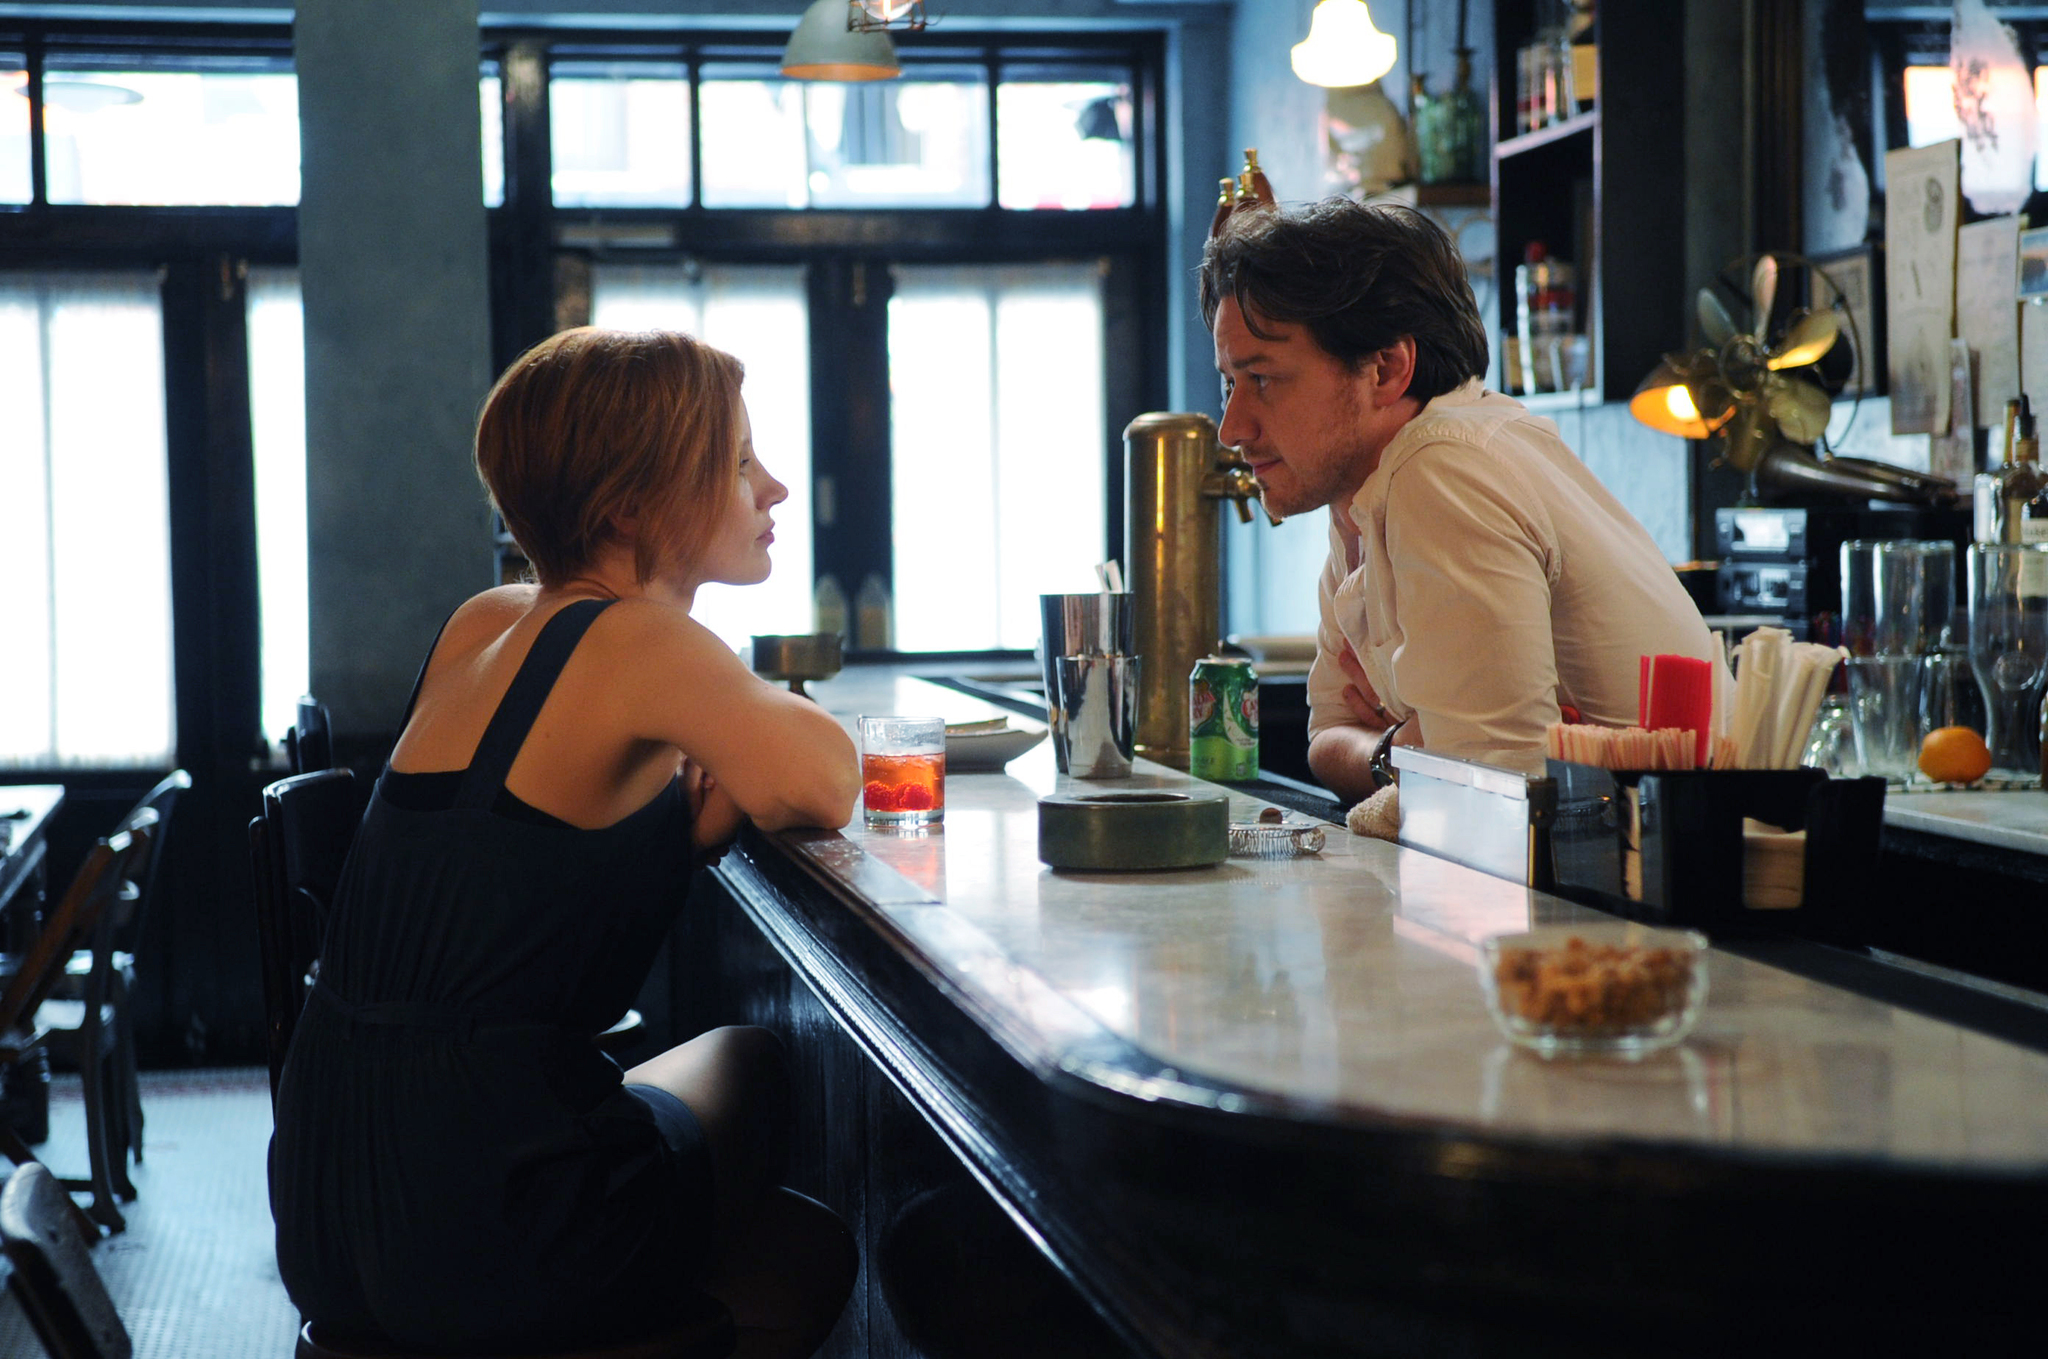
x,y
1381,766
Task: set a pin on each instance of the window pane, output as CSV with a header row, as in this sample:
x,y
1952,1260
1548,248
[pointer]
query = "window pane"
x,y
14,176
621,135
997,421
754,154
277,420
491,106
172,137
758,315
1065,143
886,144
84,525
899,143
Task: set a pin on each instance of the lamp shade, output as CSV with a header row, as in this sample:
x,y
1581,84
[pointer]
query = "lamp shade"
x,y
1678,399
823,48
1343,48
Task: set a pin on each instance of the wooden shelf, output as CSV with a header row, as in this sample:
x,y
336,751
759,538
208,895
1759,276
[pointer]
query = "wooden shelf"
x,y
1474,195
1511,147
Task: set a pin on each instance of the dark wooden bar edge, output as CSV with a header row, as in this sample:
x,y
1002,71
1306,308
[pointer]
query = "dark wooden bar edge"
x,y
1202,1220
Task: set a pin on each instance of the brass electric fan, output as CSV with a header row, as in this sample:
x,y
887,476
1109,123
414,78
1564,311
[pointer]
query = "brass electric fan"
x,y
1767,394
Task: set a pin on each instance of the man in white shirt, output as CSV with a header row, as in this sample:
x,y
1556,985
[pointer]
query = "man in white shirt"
x,y
1480,579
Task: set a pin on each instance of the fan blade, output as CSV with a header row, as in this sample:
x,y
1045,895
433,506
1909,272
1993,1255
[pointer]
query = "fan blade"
x,y
1763,293
1800,408
1715,322
1811,336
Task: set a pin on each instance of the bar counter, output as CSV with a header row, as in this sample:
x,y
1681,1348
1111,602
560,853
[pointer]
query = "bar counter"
x,y
1261,1109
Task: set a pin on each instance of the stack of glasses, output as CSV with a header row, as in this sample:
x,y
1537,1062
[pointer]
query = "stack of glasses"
x,y
1907,675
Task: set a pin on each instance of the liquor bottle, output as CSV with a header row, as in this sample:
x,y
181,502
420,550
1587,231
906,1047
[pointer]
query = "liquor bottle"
x,y
828,607
1251,182
1451,132
1226,200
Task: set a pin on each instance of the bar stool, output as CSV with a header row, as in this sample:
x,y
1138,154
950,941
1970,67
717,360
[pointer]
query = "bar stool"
x,y
707,1333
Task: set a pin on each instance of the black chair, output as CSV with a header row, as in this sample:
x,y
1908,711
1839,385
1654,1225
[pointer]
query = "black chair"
x,y
308,744
297,847
107,970
53,1275
100,887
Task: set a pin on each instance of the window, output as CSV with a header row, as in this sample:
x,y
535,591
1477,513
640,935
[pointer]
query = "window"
x,y
84,525
149,133
995,378
920,141
756,314
1066,138
277,426
620,134
14,167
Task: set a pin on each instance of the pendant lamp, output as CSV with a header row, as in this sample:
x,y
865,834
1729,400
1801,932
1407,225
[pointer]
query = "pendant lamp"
x,y
824,47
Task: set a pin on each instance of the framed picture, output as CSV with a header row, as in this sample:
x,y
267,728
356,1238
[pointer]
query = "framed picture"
x,y
1850,280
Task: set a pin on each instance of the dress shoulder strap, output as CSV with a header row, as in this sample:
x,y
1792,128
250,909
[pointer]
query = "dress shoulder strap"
x,y
523,701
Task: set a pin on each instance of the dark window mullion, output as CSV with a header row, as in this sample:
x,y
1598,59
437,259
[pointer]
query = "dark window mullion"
x,y
850,421
696,69
38,154
995,164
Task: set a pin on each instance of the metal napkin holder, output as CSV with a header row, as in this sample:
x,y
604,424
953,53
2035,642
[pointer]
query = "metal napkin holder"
x,y
1483,816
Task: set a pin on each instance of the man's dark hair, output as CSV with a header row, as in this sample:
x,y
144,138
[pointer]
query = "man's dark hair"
x,y
1358,278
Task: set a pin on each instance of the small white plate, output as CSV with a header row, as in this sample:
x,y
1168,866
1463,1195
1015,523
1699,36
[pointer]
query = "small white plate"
x,y
988,751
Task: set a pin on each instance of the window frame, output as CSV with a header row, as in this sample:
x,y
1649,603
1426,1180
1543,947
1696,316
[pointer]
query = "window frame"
x,y
538,252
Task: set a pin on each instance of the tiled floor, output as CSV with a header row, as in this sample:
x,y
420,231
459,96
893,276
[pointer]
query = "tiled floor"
x,y
194,1276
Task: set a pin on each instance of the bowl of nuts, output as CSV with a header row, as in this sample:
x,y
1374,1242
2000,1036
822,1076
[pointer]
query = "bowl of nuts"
x,y
1594,987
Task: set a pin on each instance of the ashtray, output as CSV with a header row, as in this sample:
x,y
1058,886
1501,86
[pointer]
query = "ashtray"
x,y
1274,839
1595,987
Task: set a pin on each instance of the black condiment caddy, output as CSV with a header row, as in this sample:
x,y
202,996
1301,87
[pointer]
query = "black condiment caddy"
x,y
1686,827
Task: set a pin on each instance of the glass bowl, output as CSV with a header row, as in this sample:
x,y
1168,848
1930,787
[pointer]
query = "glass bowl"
x,y
1594,987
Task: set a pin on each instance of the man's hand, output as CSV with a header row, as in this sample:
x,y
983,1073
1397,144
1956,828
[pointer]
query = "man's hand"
x,y
714,817
1359,696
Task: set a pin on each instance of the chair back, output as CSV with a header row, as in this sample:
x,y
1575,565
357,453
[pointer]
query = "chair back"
x,y
307,744
297,847
161,799
53,1274
99,886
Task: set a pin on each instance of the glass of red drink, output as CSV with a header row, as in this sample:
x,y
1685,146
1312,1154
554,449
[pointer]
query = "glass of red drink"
x,y
903,770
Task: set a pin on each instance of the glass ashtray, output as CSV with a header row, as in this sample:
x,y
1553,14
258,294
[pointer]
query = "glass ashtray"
x,y
1274,839
1594,987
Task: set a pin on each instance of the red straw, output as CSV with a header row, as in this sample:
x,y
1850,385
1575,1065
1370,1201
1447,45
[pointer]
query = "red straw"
x,y
1681,694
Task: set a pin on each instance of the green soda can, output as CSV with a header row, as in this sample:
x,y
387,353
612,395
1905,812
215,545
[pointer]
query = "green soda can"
x,y
1223,720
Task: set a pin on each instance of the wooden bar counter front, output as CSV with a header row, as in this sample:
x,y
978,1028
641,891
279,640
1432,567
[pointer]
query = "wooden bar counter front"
x,y
1260,1108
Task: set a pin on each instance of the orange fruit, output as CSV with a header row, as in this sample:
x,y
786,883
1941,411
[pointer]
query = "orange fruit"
x,y
1954,755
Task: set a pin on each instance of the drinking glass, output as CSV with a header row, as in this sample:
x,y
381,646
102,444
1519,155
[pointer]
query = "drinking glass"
x,y
1884,714
1897,595
903,771
2009,649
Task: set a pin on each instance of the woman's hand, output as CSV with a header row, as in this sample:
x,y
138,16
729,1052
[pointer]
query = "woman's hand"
x,y
714,817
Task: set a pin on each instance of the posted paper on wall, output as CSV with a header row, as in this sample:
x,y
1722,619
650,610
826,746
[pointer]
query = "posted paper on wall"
x,y
1919,279
1987,312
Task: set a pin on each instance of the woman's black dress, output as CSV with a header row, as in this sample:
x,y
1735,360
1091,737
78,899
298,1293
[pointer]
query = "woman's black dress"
x,y
456,1164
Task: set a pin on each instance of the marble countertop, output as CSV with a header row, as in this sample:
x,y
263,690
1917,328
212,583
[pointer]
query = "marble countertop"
x,y
1343,987
2015,820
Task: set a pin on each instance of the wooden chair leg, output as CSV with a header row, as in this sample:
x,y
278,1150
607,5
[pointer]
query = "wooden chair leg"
x,y
16,1150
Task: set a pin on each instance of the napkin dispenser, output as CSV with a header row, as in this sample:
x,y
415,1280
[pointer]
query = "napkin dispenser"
x,y
1485,817
1667,847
